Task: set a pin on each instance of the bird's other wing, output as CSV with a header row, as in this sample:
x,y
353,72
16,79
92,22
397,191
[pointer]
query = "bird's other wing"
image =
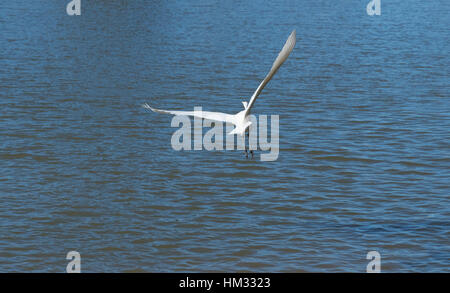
x,y
216,116
282,56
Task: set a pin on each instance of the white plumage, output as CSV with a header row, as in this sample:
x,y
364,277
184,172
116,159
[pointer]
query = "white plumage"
x,y
241,119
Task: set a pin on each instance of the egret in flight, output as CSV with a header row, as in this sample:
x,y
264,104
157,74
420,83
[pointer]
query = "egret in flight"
x,y
240,120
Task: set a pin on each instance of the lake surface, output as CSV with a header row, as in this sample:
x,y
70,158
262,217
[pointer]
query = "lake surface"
x,y
364,160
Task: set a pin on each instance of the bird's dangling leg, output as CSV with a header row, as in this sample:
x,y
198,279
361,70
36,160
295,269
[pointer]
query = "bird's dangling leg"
x,y
248,138
245,145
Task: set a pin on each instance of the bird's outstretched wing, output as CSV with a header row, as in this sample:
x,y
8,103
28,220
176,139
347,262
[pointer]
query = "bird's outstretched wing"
x,y
282,56
216,116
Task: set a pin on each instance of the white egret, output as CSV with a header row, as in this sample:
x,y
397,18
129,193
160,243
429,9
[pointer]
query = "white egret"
x,y
240,120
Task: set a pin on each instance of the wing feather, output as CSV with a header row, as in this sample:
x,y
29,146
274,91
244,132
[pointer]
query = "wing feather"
x,y
282,56
216,116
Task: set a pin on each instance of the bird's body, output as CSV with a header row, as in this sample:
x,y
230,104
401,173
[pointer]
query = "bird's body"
x,y
241,120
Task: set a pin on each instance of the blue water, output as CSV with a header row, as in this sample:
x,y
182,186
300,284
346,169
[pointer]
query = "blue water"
x,y
364,160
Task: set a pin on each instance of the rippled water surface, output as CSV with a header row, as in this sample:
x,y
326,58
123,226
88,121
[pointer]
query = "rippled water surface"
x,y
364,160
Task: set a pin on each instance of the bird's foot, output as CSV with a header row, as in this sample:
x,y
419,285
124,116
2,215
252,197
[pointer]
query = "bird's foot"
x,y
251,152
